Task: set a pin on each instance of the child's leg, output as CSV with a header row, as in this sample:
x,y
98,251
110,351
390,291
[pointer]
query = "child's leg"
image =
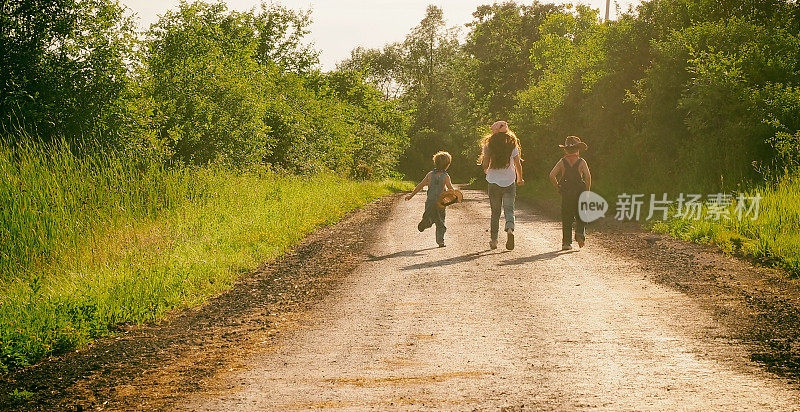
x,y
580,225
580,228
440,228
424,223
509,198
566,220
496,203
427,219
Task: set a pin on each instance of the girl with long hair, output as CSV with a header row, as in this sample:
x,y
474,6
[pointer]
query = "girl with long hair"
x,y
502,163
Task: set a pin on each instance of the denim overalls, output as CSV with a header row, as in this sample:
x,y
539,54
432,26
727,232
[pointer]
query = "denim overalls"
x,y
433,214
572,185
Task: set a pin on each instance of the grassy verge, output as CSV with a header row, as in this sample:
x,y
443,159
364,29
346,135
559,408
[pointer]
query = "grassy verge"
x,y
87,244
771,239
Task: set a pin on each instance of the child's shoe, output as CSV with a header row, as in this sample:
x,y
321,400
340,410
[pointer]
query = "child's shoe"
x,y
510,240
581,242
566,247
441,244
493,244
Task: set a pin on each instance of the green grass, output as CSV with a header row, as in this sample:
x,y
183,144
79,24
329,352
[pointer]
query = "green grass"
x,y
20,395
86,244
771,239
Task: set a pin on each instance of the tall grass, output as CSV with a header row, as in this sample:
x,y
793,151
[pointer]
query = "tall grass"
x,y
772,238
89,243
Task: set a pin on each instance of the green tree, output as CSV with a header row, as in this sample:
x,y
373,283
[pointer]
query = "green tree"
x,y
430,53
281,36
500,40
670,84
333,121
567,55
379,67
208,89
64,68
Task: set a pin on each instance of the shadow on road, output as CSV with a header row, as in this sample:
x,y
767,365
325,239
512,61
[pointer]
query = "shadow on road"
x,y
541,256
404,253
446,262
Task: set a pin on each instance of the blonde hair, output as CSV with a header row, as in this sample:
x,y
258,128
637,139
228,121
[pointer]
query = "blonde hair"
x,y
442,160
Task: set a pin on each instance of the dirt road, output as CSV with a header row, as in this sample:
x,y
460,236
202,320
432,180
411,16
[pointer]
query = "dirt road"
x,y
465,328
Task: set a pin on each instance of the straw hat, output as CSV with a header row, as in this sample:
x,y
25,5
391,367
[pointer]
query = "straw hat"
x,y
572,142
450,197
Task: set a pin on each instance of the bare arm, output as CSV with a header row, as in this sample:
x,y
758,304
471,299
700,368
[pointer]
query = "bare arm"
x,y
518,168
419,187
447,183
587,175
484,161
558,169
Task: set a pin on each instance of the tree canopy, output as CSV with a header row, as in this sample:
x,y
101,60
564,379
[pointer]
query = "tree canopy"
x,y
698,92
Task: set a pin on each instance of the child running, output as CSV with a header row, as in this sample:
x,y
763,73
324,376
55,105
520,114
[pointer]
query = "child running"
x,y
436,180
571,177
502,163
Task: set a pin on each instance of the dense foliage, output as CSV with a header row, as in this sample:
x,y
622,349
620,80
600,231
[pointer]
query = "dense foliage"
x,y
203,85
676,94
64,68
681,95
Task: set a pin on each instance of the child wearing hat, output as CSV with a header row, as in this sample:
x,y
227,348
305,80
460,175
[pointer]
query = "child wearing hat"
x,y
436,180
571,176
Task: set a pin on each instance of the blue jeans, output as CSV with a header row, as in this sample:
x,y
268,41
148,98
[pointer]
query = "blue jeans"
x,y
502,199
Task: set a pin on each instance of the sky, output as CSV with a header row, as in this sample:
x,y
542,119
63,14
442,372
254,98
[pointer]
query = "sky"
x,y
341,25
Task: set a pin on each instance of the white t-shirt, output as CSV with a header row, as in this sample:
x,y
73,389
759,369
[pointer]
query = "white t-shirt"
x,y
503,177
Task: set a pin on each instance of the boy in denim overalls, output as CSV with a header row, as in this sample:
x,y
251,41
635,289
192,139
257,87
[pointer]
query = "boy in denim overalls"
x,y
436,180
571,177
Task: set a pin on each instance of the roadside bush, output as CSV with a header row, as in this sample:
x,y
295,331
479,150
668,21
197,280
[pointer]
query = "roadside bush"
x,y
65,69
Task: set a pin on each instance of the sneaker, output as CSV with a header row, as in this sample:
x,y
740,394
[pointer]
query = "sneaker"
x,y
581,242
493,244
510,240
566,247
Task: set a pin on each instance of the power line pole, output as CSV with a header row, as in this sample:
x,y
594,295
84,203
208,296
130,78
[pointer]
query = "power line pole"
x,y
608,4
